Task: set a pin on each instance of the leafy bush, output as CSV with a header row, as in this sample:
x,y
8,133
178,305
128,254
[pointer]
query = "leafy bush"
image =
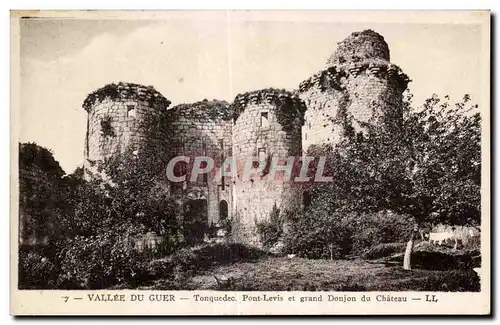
x,y
205,257
227,226
99,261
224,253
371,229
105,218
166,274
271,230
160,268
473,242
433,257
174,272
189,261
36,271
317,233
383,250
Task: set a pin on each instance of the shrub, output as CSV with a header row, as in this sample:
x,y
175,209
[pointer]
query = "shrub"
x,y
369,230
383,250
473,242
206,256
317,233
271,230
36,271
225,253
185,259
433,257
226,225
99,261
161,268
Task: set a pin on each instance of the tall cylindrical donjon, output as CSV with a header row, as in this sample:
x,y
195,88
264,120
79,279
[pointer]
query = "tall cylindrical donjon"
x,y
359,84
267,126
374,85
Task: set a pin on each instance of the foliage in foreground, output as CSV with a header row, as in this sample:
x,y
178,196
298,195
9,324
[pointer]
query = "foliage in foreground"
x,y
422,168
321,233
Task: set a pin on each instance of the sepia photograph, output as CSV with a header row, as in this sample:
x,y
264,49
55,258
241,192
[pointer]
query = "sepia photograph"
x,y
323,158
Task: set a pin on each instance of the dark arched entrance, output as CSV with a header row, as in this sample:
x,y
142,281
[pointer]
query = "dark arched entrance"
x,y
223,210
306,199
195,220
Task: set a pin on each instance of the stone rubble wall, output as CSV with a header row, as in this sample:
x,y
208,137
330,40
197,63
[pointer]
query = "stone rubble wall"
x,y
360,46
323,96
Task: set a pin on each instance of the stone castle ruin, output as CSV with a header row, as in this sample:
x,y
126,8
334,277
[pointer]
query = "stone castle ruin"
x,y
359,84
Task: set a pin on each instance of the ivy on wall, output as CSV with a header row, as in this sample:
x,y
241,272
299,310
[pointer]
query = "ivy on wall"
x,y
325,80
213,110
290,108
124,90
360,46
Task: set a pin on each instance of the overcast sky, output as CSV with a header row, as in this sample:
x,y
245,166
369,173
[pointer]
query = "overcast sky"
x,y
215,56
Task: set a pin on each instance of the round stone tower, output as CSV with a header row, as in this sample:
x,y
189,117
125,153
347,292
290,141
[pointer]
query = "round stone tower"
x,y
374,86
119,118
359,47
267,126
359,84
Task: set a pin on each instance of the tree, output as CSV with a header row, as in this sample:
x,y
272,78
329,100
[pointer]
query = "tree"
x,y
39,193
106,214
445,153
424,163
444,149
431,167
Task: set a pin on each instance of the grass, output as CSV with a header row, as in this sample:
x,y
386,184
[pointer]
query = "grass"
x,y
248,269
283,274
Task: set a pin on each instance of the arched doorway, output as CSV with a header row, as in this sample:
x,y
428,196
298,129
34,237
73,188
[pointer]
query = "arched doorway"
x,y
195,220
306,199
223,210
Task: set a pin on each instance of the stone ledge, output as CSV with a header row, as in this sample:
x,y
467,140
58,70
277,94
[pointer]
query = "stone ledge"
x,y
126,92
281,99
331,78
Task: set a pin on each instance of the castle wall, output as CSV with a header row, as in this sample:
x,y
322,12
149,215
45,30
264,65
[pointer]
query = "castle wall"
x,y
254,199
124,131
203,129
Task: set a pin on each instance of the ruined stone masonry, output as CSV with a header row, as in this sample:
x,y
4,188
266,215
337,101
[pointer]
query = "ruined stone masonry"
x,y
359,84
117,119
267,125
